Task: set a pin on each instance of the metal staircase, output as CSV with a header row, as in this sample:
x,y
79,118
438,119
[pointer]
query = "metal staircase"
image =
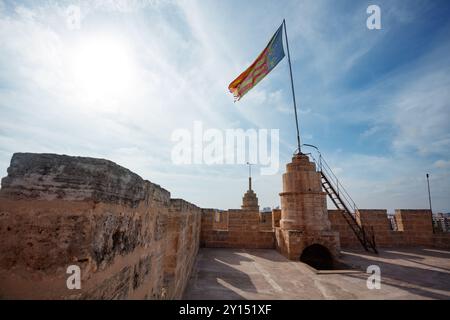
x,y
344,203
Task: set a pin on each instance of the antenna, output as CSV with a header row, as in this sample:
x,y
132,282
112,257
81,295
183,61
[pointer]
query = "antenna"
x,y
249,175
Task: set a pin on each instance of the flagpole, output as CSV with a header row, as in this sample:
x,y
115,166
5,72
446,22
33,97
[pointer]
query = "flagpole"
x,y
292,87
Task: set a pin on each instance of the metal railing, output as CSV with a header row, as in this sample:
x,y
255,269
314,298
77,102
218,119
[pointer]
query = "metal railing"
x,y
324,167
344,198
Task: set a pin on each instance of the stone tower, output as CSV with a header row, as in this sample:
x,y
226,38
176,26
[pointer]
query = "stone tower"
x,y
304,215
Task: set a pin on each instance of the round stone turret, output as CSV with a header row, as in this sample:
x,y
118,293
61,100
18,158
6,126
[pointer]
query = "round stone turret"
x,y
303,203
304,223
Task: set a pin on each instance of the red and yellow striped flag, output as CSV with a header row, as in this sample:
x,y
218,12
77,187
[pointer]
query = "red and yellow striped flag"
x,y
266,61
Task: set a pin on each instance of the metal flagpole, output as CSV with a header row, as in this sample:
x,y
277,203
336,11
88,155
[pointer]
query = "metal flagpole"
x,y
429,193
292,86
429,199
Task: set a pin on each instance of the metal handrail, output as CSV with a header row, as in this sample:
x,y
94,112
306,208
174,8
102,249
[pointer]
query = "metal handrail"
x,y
344,197
324,167
342,189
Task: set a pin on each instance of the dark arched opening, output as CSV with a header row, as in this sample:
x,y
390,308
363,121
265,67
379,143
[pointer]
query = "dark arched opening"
x,y
318,257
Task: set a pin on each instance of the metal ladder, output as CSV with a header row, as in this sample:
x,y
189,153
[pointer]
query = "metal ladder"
x,y
344,203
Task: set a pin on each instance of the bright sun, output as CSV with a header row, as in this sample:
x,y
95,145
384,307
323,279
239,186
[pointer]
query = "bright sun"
x,y
102,69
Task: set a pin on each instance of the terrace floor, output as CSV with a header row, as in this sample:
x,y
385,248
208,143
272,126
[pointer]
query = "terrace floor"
x,y
417,273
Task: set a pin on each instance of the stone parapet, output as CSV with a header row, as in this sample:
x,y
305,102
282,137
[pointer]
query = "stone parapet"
x,y
414,228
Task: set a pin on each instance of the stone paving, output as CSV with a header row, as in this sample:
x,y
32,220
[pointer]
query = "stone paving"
x,y
418,273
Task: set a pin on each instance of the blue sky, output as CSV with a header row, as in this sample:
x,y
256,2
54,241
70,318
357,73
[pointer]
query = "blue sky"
x,y
376,102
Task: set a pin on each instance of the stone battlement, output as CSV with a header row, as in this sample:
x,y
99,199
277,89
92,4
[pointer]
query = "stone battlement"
x,y
414,228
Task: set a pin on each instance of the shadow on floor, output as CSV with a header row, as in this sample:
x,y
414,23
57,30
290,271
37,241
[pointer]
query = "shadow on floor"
x,y
421,280
215,277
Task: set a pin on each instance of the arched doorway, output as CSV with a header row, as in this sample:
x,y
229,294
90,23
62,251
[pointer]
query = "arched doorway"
x,y
318,257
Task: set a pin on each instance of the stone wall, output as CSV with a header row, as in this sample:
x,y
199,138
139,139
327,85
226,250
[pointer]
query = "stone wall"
x,y
265,219
244,230
346,235
276,217
130,240
414,229
183,240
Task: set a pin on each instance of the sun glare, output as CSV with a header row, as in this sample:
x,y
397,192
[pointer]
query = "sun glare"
x,y
102,69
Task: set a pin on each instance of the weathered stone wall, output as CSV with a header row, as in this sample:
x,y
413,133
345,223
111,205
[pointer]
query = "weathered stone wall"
x,y
220,220
276,217
265,219
346,235
244,231
414,229
378,221
130,240
291,243
183,241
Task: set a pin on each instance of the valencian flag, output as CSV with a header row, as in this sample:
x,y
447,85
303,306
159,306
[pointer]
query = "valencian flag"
x,y
266,61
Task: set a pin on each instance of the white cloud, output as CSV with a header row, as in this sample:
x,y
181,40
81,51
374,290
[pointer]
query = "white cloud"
x,y
370,132
442,164
421,113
